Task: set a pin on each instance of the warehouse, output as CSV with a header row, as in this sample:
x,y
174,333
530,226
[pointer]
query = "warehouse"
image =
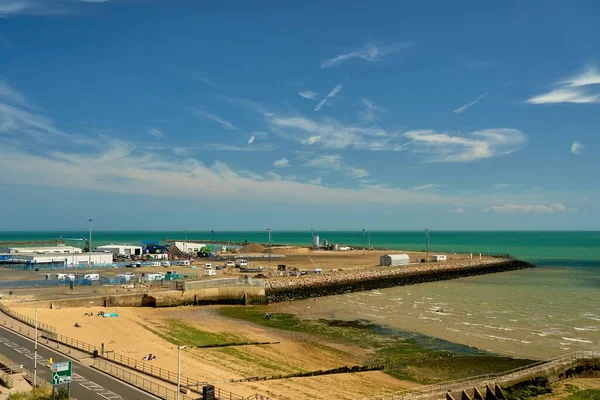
x,y
121,249
392,260
79,260
189,247
44,249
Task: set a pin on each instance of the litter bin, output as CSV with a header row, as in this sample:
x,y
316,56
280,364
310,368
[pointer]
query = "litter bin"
x,y
208,392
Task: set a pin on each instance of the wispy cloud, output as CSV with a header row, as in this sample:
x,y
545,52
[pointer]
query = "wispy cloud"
x,y
529,209
577,147
370,114
465,107
458,211
230,147
309,95
251,140
335,162
157,133
10,95
9,8
477,145
203,113
425,187
281,163
207,81
334,92
576,89
371,52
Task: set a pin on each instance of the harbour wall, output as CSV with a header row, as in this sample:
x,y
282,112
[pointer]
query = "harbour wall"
x,y
165,298
303,287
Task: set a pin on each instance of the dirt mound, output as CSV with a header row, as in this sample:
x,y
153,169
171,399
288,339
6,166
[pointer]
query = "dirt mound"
x,y
252,248
288,250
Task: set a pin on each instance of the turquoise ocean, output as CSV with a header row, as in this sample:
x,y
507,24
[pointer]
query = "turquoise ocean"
x,y
535,313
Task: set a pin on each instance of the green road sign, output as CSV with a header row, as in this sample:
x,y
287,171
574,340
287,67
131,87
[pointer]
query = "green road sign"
x,y
61,373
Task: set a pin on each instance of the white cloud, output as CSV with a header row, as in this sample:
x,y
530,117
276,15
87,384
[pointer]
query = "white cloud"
x,y
477,145
334,92
371,52
203,113
458,211
312,140
575,89
231,147
371,109
309,95
465,107
251,140
577,147
281,163
565,95
530,209
10,95
157,133
336,163
316,181
32,7
425,187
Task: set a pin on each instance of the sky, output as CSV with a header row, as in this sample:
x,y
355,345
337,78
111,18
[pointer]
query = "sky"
x,y
241,115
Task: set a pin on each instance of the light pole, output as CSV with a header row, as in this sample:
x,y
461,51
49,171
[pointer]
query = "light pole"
x,y
427,243
90,246
35,350
211,241
363,242
179,348
369,247
269,230
185,243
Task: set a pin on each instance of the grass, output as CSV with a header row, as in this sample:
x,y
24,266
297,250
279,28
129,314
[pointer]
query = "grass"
x,y
589,394
40,393
178,332
415,357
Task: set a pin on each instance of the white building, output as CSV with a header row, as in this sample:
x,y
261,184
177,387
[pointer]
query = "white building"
x,y
189,247
439,257
44,249
70,260
391,260
121,249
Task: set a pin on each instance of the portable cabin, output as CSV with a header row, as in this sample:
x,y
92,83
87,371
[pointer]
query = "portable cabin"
x,y
391,260
439,257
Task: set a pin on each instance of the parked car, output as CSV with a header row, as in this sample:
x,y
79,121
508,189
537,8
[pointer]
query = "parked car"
x,y
165,263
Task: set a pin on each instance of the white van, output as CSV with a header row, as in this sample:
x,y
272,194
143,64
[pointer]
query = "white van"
x,y
208,266
165,263
241,263
155,264
230,264
210,272
92,277
183,262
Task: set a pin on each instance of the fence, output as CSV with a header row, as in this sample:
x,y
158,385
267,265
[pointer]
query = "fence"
x,y
27,320
38,379
222,282
5,379
138,381
70,342
9,365
439,390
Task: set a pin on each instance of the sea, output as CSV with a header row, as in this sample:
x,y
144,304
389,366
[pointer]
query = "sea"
x,y
536,313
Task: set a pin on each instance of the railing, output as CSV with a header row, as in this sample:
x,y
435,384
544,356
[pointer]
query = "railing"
x,y
27,320
38,380
73,343
10,365
439,390
138,381
5,379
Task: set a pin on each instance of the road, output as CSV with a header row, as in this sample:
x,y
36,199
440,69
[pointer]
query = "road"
x,y
87,382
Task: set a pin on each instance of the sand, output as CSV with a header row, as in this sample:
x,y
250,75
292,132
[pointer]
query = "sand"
x,y
127,335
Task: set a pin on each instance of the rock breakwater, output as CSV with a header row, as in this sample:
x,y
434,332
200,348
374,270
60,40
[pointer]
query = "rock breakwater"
x,y
303,287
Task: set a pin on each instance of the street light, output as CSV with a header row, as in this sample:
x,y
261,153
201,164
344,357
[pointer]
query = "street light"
x,y
35,350
363,242
269,230
179,348
90,245
427,242
211,241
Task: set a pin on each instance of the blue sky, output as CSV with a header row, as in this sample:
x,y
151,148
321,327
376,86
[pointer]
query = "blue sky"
x,y
332,115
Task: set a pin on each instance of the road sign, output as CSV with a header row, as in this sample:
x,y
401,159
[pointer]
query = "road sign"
x,y
61,373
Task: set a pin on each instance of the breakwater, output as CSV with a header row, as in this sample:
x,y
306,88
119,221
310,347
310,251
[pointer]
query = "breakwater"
x,y
31,242
303,287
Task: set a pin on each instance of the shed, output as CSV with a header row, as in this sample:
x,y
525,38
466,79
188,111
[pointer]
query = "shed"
x,y
438,257
390,260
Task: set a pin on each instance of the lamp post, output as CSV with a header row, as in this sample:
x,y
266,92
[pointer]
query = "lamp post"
x,y
427,243
90,245
179,348
212,241
269,230
363,242
369,247
185,243
35,350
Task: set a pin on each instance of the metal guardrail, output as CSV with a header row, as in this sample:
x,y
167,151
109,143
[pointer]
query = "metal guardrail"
x,y
10,365
138,381
439,390
70,342
6,380
39,380
27,320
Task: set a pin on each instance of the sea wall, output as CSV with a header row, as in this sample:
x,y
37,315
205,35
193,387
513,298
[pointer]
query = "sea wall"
x,y
303,287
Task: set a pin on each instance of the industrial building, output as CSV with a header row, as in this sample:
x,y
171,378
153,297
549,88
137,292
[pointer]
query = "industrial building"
x,y
59,249
392,260
189,247
121,249
72,260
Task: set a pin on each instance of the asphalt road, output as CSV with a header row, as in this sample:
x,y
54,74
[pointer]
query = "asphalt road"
x,y
87,382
